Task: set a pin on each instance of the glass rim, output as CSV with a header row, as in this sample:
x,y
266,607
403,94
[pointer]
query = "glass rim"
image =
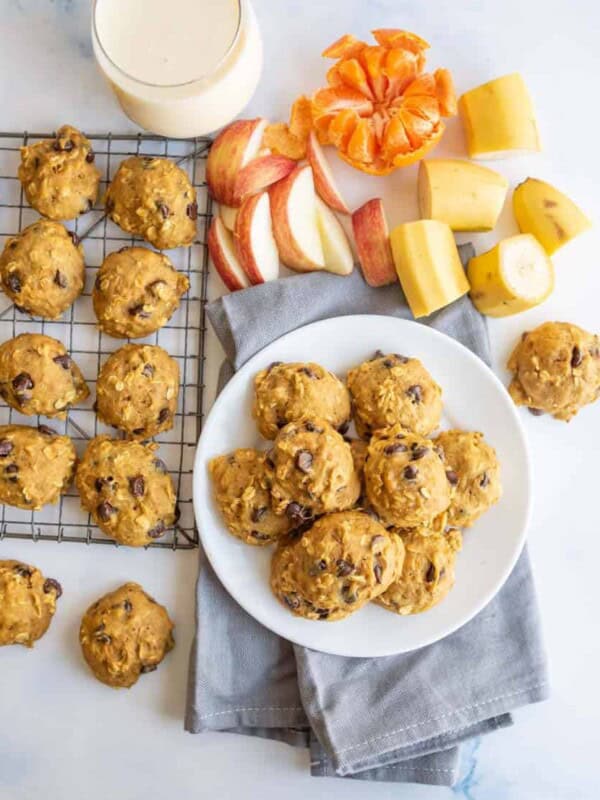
x,y
241,19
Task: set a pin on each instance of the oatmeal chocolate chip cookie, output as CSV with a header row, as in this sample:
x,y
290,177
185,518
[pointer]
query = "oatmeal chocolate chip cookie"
x,y
127,490
341,563
472,469
27,603
556,370
37,376
153,198
59,176
392,389
242,485
287,392
405,478
125,634
42,269
427,574
136,292
313,470
137,390
36,465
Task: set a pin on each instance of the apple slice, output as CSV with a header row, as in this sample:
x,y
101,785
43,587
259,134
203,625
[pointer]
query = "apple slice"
x,y
234,147
324,180
222,251
255,245
259,173
294,216
372,239
336,247
228,214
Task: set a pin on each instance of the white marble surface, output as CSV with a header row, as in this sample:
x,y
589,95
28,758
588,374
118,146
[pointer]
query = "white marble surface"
x,y
64,735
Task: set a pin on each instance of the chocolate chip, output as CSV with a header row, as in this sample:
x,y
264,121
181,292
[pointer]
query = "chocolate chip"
x,y
103,638
377,354
164,209
74,237
12,281
99,483
418,453
452,477
64,361
343,428
401,359
154,285
11,469
576,357
60,279
105,511
430,575
415,393
90,156
6,447
258,513
377,572
536,412
192,211
281,423
274,364
319,566
137,485
146,668
157,530
344,568
127,606
304,461
485,479
51,585
312,428
396,447
160,466
322,612
291,600
148,370
138,311
60,146
349,595
260,537
23,570
297,514
410,472
22,382
163,415
45,429
308,372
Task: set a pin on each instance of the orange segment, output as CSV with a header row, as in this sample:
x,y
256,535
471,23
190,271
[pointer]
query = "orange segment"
x,y
445,92
361,146
373,60
333,77
346,46
342,127
417,128
328,101
423,85
322,126
395,140
353,75
392,37
424,107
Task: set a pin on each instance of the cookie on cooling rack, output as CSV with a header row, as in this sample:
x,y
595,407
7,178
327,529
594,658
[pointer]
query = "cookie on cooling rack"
x,y
59,177
153,198
27,603
36,465
127,490
137,390
42,269
136,292
125,634
38,376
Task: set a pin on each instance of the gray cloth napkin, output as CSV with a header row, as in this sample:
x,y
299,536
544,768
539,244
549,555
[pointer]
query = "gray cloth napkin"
x,y
400,718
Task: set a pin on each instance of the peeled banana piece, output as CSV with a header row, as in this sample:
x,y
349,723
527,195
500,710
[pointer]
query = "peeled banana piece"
x,y
551,216
513,276
499,119
466,196
428,265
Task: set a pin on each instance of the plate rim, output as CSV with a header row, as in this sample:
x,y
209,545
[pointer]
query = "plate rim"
x,y
237,378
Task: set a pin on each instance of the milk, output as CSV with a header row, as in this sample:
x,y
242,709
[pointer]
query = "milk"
x,y
179,68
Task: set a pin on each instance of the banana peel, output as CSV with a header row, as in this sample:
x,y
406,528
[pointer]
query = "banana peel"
x,y
551,216
515,275
466,196
499,119
428,265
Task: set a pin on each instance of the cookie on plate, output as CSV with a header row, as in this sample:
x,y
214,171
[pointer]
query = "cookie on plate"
x,y
27,603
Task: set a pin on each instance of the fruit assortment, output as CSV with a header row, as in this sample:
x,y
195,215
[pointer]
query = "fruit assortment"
x,y
380,110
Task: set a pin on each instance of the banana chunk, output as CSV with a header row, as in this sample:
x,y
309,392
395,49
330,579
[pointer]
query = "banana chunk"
x,y
551,216
428,265
466,196
499,119
513,276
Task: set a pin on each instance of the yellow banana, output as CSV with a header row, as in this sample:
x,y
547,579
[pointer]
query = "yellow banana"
x,y
428,265
551,216
498,118
466,196
513,276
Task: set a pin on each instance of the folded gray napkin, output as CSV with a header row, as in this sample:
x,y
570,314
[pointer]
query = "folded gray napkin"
x,y
400,718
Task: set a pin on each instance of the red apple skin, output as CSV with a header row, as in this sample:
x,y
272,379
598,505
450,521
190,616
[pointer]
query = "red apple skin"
x,y
324,180
289,251
226,271
259,174
227,156
373,247
248,258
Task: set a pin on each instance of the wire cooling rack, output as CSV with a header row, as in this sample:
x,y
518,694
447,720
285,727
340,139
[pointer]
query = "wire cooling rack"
x,y
183,337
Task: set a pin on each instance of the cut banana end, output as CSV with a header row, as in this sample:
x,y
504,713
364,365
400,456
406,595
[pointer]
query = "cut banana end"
x,y
513,276
551,216
466,196
428,265
499,119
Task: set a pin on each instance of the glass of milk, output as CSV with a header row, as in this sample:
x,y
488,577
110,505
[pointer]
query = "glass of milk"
x,y
179,68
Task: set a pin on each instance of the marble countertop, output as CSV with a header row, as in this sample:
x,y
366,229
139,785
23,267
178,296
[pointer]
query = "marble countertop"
x,y
64,735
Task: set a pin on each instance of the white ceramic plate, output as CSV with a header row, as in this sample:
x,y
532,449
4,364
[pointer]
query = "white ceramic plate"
x,y
473,399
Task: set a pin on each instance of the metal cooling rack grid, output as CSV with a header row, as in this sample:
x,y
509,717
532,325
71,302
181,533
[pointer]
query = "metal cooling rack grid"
x,y
183,336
